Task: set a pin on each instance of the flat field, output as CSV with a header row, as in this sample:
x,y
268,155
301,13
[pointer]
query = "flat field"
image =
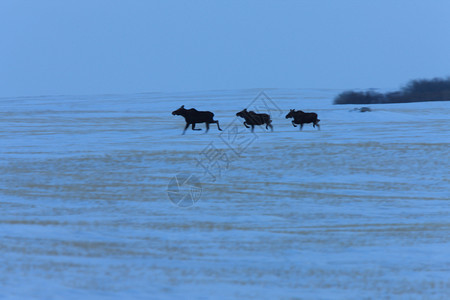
x,y
359,209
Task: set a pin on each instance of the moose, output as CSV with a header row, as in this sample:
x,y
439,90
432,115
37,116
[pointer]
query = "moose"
x,y
252,119
301,118
193,116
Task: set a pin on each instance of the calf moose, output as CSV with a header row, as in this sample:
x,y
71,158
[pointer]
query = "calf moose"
x,y
193,116
301,118
252,119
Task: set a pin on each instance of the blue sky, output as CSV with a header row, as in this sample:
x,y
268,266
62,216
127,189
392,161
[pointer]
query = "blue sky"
x,y
107,46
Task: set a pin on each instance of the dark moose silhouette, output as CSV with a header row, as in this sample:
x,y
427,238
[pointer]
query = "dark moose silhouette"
x,y
252,119
193,116
301,118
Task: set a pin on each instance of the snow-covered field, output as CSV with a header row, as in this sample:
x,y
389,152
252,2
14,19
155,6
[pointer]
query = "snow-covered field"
x,y
357,210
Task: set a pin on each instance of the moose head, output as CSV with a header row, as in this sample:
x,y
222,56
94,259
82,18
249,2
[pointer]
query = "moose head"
x,y
179,112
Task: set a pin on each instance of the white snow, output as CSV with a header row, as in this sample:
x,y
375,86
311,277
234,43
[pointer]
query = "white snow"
x,y
357,210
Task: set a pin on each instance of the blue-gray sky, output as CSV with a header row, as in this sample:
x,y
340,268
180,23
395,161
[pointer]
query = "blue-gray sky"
x,y
107,46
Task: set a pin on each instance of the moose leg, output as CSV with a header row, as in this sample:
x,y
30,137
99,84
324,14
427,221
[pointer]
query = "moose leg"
x,y
293,124
185,127
193,127
318,126
271,127
217,122
207,127
246,125
301,126
253,128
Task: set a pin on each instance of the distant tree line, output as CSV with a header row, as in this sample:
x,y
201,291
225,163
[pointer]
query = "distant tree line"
x,y
437,89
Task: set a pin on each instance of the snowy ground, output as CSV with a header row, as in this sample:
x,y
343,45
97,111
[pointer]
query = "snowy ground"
x,y
357,210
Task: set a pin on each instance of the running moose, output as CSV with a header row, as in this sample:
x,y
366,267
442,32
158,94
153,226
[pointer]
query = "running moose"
x,y
301,118
193,116
252,119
